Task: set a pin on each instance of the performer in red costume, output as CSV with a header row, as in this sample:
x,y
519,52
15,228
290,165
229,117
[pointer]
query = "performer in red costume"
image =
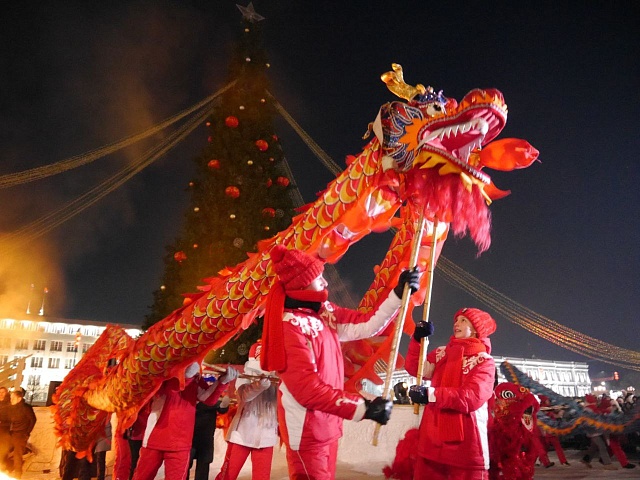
x,y
453,433
548,438
301,342
171,420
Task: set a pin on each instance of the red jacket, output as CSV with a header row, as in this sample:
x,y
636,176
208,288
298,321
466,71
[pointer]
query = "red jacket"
x,y
470,399
311,401
172,414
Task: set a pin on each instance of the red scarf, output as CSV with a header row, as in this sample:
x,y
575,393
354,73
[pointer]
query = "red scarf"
x,y
450,421
273,354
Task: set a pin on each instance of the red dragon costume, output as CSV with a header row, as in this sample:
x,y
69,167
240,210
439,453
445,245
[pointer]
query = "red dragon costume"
x,y
511,433
427,155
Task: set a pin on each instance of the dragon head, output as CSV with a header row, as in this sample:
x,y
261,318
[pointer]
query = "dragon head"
x,y
431,131
516,401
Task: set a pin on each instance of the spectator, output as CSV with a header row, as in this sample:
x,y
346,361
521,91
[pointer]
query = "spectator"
x,y
5,425
23,419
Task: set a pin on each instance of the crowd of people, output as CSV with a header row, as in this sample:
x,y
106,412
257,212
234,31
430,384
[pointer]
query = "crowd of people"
x,y
291,391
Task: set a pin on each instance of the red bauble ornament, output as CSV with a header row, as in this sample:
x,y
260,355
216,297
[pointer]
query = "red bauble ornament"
x,y
214,164
268,212
269,182
231,121
233,192
262,145
275,138
282,181
180,256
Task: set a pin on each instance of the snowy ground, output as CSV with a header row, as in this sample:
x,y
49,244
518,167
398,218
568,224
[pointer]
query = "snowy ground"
x,y
358,459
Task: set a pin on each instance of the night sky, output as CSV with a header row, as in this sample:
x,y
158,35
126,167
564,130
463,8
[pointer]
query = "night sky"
x,y
78,75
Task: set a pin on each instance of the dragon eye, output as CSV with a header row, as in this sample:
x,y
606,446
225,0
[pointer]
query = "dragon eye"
x,y
508,394
434,108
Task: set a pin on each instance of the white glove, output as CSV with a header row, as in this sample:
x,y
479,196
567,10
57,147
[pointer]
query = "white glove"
x,y
192,370
230,375
264,383
226,400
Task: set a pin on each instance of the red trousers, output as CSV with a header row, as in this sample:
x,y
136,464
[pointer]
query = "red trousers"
x,y
235,457
426,469
313,464
540,447
555,443
176,464
122,463
616,449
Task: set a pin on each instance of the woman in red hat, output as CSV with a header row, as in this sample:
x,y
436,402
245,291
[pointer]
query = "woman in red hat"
x,y
301,342
453,441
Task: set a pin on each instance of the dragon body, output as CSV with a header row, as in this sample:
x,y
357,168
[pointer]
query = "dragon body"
x,y
578,418
425,156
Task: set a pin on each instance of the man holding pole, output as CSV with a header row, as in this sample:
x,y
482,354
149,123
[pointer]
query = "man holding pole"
x,y
453,441
301,341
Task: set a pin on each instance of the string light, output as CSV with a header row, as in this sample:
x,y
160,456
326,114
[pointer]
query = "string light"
x,y
537,324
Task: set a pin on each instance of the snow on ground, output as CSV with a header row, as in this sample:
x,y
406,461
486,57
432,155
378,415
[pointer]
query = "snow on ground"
x,y
358,459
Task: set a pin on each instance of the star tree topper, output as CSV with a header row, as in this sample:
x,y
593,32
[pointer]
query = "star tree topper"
x,y
249,14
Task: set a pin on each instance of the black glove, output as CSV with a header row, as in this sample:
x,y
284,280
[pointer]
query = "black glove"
x,y
378,410
410,277
423,329
418,394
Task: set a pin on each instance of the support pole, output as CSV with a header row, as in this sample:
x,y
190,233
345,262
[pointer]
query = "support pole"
x,y
399,322
424,342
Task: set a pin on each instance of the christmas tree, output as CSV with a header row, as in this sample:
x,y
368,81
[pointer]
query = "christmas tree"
x,y
240,193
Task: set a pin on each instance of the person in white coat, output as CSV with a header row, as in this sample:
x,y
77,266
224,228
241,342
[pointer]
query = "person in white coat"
x,y
254,428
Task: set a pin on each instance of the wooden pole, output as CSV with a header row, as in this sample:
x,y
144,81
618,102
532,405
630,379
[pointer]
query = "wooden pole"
x,y
399,322
424,342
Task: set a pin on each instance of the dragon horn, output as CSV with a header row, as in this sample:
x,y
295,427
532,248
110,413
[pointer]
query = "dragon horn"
x,y
396,84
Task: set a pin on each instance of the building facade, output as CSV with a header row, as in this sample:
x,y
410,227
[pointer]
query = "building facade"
x,y
570,379
35,351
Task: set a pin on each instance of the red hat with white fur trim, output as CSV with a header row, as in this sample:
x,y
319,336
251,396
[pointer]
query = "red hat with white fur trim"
x,y
295,268
482,322
255,350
